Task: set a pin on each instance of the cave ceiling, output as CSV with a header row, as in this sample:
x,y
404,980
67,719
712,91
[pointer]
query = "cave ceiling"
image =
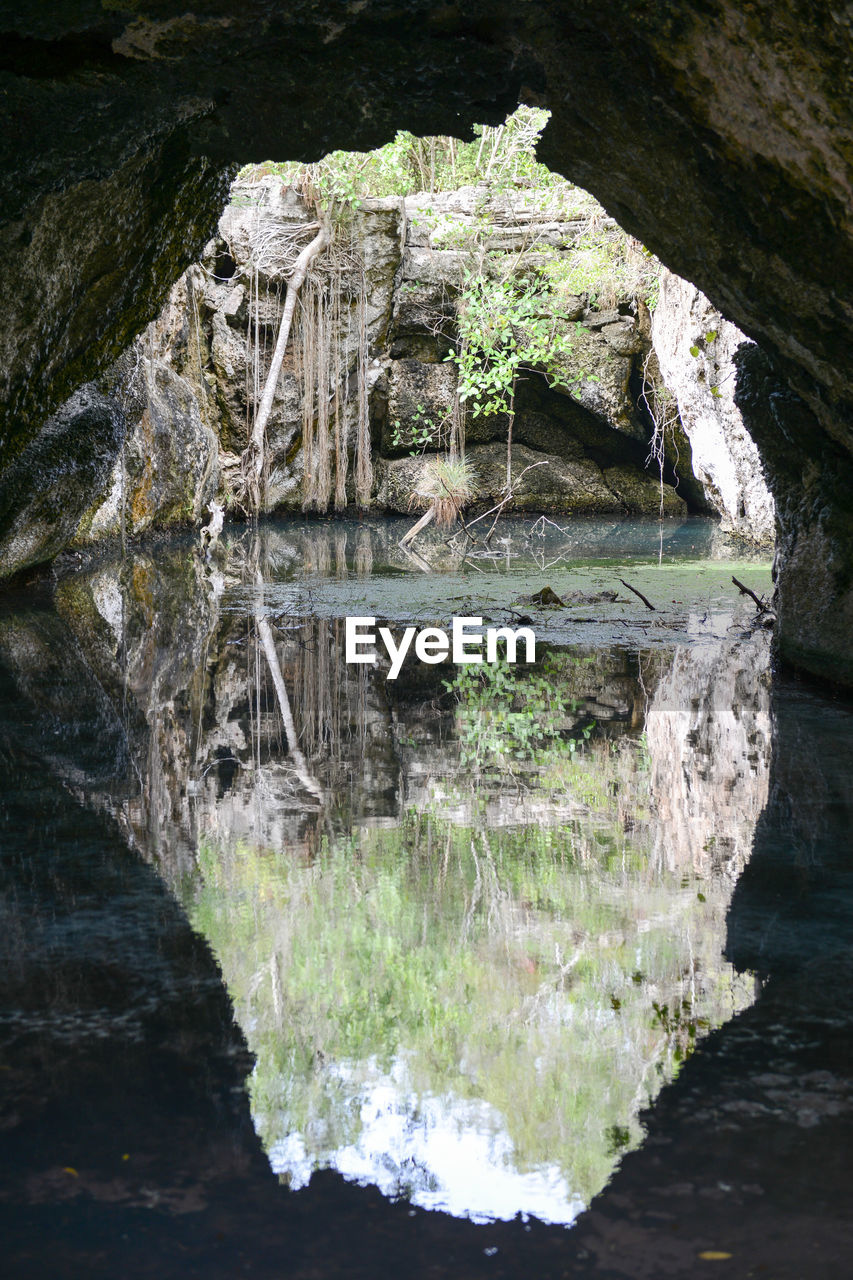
x,y
718,133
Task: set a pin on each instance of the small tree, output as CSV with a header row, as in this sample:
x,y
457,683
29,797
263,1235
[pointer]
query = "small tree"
x,y
506,327
445,486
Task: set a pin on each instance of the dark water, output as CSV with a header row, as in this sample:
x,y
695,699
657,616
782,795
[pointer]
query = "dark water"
x,y
505,942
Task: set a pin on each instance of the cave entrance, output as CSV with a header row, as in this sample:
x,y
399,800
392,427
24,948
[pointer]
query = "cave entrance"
x,y
467,304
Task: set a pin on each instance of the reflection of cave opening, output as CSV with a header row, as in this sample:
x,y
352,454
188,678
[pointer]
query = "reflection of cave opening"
x,y
508,880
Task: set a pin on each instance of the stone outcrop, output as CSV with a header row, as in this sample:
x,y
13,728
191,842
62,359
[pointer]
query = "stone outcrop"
x,y
46,493
695,348
553,485
170,469
813,569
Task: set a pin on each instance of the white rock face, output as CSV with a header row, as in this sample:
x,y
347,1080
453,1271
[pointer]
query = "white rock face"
x,y
725,460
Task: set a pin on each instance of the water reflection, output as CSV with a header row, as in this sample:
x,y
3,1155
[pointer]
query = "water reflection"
x,y
475,920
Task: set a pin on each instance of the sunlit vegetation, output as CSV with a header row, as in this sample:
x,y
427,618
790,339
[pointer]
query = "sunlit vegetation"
x,y
502,155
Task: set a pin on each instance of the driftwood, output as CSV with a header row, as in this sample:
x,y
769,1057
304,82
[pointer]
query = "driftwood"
x,y
745,591
210,532
427,518
639,594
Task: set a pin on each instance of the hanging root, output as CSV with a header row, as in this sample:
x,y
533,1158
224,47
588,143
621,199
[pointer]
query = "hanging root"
x,y
323,490
309,342
323,279
254,454
340,441
363,461
663,412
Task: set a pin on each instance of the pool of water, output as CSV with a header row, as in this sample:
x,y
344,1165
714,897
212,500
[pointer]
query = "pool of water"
x,y
465,936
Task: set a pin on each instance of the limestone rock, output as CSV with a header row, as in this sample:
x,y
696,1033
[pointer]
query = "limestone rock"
x,y
420,401
723,145
46,493
379,234
623,337
171,466
641,493
598,377
814,496
695,347
567,486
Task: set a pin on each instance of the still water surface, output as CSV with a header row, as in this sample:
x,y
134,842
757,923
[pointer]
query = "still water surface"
x,y
470,922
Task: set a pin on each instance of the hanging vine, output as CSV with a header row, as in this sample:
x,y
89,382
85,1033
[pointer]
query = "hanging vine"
x,y
363,460
323,321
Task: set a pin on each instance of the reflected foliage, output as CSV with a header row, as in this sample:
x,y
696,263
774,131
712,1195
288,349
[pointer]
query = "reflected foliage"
x,y
508,713
519,966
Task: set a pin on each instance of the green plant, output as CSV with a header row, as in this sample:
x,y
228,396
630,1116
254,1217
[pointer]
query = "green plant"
x,y
506,713
505,326
606,265
421,433
501,156
476,959
446,485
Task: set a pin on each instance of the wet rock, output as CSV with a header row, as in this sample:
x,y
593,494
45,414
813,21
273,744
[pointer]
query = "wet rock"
x,y
171,464
812,482
545,597
46,493
641,493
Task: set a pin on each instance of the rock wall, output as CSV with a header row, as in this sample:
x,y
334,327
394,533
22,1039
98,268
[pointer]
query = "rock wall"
x,y
695,347
47,491
202,363
813,488
594,437
187,387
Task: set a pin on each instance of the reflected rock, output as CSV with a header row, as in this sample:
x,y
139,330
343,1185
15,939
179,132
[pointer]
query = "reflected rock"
x,y
709,739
